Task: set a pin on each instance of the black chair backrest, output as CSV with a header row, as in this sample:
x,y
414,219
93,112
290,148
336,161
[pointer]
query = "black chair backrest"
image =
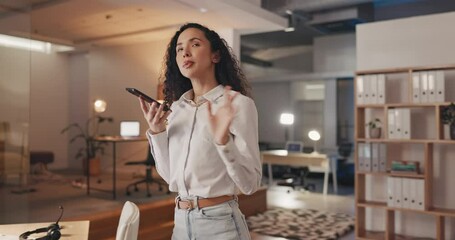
x,y
150,160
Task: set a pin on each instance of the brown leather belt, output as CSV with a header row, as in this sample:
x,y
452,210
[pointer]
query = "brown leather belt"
x,y
189,204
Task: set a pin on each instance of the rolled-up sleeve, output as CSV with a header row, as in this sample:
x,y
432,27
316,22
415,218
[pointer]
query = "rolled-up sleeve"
x,y
241,154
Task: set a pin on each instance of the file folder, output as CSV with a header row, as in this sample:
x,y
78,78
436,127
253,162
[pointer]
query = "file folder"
x,y
381,88
390,192
431,86
367,157
360,90
382,157
398,123
406,193
413,194
424,87
405,125
391,124
398,192
416,87
360,157
420,194
373,82
375,157
440,86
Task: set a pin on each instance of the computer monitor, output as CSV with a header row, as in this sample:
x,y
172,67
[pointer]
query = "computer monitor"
x,y
130,128
294,146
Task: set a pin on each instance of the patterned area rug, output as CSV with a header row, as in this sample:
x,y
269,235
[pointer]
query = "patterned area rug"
x,y
301,224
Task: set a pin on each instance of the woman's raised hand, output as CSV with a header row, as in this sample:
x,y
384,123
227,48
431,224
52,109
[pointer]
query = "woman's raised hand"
x,y
156,116
222,119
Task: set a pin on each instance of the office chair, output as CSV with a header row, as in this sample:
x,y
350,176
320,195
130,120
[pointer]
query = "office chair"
x,y
148,180
128,226
295,177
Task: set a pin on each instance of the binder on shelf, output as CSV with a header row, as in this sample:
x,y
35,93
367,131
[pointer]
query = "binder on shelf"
x,y
360,90
382,157
381,88
431,86
405,124
406,193
424,87
420,194
413,194
397,191
416,87
440,86
366,89
373,81
375,157
390,192
360,157
398,123
367,157
391,124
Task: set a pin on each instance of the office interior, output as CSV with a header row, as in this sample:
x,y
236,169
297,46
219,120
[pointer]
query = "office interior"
x,y
296,58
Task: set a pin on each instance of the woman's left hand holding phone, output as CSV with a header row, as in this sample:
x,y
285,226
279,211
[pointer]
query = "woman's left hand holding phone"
x,y
155,115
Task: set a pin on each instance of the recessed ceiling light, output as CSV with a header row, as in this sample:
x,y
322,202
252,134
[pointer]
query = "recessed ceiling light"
x,y
289,29
203,10
289,12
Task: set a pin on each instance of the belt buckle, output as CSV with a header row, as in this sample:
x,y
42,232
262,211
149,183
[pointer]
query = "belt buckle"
x,y
190,205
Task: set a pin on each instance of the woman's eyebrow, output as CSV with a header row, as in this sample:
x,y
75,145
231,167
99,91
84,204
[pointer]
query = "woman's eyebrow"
x,y
191,39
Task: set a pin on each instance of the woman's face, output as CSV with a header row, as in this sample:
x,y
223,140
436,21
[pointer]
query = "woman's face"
x,y
195,58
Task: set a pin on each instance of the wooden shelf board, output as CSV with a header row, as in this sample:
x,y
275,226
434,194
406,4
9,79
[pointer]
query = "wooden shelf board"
x,y
409,105
370,106
372,235
406,175
442,212
405,70
383,140
373,173
375,204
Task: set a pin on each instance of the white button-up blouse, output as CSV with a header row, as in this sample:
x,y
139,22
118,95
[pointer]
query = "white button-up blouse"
x,y
189,160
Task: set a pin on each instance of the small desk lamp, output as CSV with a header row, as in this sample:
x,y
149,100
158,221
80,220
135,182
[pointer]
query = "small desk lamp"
x,y
99,106
314,136
286,119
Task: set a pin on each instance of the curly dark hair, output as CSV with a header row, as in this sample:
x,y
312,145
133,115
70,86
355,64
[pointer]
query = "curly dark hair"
x,y
227,70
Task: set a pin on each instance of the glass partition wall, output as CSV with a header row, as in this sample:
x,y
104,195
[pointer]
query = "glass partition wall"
x,y
14,92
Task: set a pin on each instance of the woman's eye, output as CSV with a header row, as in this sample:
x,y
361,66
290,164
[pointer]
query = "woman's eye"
x,y
179,49
196,45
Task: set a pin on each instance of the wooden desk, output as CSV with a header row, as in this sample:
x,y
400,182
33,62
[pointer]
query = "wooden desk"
x,y
114,140
71,230
315,161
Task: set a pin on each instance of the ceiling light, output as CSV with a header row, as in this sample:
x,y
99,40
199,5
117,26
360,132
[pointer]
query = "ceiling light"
x,y
289,29
287,118
32,45
289,12
203,10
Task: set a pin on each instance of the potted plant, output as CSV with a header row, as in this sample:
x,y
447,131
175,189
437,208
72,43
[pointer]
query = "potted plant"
x,y
90,149
448,117
374,128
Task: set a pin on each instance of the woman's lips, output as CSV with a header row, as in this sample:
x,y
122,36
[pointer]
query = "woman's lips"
x,y
188,64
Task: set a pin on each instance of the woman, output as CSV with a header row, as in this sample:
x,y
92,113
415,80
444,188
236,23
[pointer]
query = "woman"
x,y
206,146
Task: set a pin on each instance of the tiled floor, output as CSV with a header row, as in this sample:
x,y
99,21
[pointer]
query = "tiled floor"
x,y
53,190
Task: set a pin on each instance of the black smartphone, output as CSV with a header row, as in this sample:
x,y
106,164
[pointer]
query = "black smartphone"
x,y
144,96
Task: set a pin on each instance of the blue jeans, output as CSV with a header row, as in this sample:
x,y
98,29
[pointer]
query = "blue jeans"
x,y
220,222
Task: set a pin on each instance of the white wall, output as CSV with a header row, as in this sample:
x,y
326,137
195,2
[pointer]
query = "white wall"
x,y
49,105
335,53
113,69
417,41
78,101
